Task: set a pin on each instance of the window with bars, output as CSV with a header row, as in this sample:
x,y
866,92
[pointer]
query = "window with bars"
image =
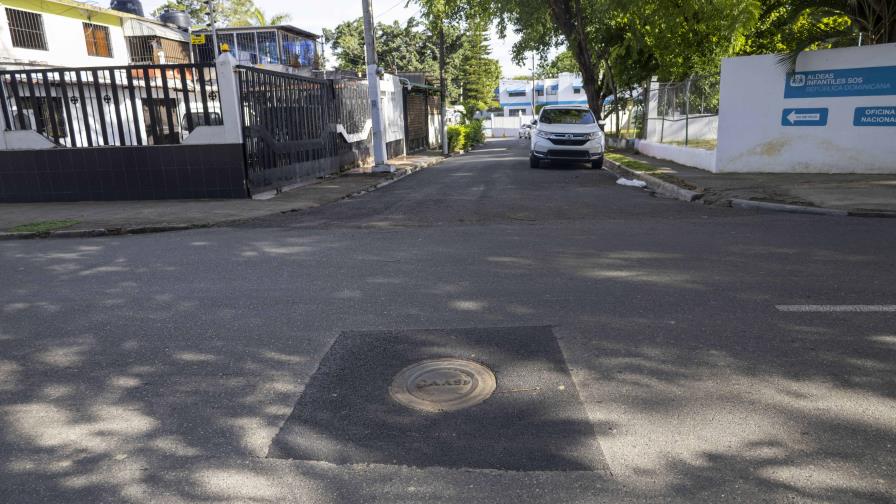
x,y
98,42
26,29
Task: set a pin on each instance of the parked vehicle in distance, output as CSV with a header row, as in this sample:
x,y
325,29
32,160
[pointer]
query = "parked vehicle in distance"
x,y
525,131
566,133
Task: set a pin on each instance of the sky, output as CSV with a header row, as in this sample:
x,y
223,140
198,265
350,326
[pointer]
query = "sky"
x,y
314,15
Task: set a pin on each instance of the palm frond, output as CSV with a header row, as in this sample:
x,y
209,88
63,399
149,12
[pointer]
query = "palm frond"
x,y
815,35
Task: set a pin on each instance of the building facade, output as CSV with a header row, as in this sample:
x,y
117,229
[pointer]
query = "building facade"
x,y
65,33
515,96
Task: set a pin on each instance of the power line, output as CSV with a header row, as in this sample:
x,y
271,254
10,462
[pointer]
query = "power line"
x,y
381,14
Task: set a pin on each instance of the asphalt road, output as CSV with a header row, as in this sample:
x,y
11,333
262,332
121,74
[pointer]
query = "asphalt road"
x,y
160,368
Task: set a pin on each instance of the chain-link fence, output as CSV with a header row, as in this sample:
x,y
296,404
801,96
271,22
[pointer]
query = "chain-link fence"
x,y
623,114
685,112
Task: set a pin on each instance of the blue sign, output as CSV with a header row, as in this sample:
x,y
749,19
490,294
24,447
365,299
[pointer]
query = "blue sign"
x,y
804,117
875,116
871,81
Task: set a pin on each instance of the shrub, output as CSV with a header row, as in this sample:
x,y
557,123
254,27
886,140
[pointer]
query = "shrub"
x,y
463,137
457,136
475,136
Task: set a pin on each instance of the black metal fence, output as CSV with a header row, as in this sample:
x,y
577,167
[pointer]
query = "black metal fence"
x,y
291,126
106,106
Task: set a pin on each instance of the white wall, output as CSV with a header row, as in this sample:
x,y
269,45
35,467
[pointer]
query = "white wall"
x,y
500,127
753,139
65,43
694,128
688,156
435,128
392,107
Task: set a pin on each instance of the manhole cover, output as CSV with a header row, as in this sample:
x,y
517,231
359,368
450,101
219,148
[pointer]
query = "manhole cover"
x,y
442,385
416,398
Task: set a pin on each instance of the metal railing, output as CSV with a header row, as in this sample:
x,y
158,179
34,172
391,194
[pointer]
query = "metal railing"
x,y
101,106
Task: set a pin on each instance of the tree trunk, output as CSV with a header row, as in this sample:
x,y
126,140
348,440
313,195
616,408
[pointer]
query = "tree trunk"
x,y
569,19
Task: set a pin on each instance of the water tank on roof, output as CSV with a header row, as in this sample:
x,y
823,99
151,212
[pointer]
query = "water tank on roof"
x,y
130,6
177,18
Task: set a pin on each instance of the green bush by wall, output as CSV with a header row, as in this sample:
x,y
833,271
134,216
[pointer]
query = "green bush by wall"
x,y
463,137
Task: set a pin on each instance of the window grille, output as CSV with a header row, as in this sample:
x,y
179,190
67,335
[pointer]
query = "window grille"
x,y
26,29
98,42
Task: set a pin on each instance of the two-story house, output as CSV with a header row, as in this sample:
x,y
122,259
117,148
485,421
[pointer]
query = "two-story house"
x,y
66,33
515,96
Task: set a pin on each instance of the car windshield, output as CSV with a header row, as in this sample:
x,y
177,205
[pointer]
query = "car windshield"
x,y
567,116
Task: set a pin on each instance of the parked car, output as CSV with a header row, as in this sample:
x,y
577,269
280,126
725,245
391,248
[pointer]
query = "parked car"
x,y
566,133
525,131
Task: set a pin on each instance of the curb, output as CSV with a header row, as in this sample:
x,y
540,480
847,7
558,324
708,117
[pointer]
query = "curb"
x,y
398,176
660,187
164,228
782,207
673,191
873,213
90,233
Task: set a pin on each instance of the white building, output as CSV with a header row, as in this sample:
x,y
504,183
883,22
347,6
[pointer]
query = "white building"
x,y
515,96
65,33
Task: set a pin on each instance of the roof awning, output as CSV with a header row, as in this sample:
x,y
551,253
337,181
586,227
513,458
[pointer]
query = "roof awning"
x,y
139,28
539,87
554,87
516,88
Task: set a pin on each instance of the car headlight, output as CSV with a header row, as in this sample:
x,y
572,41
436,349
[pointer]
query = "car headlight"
x,y
543,134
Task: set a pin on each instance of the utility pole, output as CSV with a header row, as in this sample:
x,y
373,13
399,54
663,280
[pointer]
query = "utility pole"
x,y
533,85
443,89
373,93
211,24
323,53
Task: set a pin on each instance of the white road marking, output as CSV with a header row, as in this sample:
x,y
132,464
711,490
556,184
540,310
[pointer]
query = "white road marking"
x,y
837,308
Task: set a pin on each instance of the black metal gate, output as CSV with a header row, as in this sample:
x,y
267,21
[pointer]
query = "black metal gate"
x,y
290,126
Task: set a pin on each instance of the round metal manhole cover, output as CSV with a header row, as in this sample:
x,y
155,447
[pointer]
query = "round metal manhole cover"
x,y
442,385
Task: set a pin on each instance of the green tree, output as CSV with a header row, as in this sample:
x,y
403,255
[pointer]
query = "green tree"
x,y
564,62
410,47
261,18
229,13
480,75
830,23
347,43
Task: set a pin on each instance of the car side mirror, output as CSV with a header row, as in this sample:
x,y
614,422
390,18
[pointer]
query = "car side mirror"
x,y
534,122
601,124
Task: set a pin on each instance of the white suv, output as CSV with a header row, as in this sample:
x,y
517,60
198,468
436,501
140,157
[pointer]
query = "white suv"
x,y
567,133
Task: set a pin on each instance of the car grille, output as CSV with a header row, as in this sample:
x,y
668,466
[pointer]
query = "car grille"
x,y
570,154
570,142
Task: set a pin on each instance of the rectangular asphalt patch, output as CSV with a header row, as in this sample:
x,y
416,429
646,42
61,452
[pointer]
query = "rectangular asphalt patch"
x,y
534,420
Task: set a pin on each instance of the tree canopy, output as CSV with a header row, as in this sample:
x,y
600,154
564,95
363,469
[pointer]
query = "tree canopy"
x,y
471,75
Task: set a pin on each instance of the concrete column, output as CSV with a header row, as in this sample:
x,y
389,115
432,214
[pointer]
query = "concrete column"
x,y
2,132
373,92
229,97
652,98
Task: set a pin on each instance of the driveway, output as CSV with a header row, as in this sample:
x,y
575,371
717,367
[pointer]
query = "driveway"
x,y
645,350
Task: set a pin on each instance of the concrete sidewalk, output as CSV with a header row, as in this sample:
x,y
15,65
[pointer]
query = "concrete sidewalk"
x,y
856,194
96,218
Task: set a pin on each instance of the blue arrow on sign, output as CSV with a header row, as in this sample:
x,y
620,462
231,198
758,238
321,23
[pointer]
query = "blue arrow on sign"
x,y
804,117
